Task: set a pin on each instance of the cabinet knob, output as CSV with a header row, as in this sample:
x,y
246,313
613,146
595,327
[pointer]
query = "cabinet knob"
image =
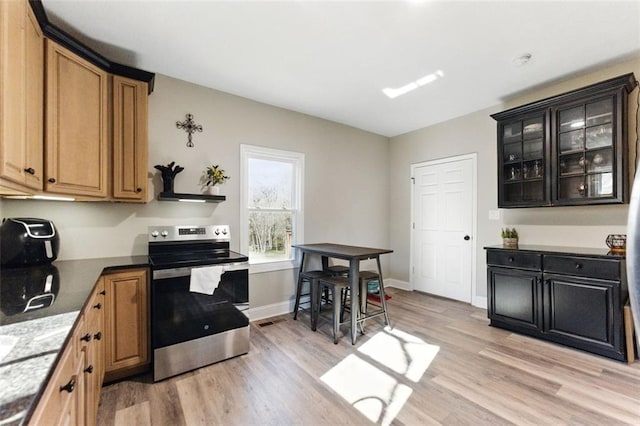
x,y
467,238
103,292
511,260
138,190
97,306
52,180
86,337
69,387
98,335
578,266
30,171
89,369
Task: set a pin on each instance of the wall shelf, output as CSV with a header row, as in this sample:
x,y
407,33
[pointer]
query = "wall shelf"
x,y
195,198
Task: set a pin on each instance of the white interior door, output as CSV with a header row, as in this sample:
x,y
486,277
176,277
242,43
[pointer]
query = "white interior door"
x,y
442,228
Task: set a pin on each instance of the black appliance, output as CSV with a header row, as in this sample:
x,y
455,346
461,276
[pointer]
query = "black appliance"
x,y
190,329
28,289
28,242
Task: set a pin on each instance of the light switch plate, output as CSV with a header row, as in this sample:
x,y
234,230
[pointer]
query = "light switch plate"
x,y
494,214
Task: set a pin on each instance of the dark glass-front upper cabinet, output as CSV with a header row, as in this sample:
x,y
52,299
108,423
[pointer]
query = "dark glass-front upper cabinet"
x,y
569,149
523,151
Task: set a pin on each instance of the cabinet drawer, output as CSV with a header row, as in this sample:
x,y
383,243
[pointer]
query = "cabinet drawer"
x,y
514,259
606,269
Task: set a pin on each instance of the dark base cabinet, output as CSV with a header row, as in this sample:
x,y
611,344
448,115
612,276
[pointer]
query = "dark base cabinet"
x,y
585,314
561,295
513,297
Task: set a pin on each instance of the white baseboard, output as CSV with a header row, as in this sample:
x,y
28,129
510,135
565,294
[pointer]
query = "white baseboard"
x,y
269,311
403,285
480,302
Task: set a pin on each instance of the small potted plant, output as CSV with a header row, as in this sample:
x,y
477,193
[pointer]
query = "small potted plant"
x,y
510,238
212,176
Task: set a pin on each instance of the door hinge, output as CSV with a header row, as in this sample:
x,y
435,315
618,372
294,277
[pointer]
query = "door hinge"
x,y
413,225
413,180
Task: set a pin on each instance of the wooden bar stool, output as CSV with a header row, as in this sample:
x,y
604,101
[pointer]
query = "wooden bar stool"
x,y
337,270
336,286
312,278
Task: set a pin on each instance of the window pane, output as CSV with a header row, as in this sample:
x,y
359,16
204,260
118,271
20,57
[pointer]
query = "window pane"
x,y
270,236
270,184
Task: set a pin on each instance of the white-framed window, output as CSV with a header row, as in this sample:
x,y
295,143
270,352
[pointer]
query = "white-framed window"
x,y
271,206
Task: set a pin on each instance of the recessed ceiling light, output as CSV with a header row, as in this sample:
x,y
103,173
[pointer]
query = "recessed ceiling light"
x,y
521,60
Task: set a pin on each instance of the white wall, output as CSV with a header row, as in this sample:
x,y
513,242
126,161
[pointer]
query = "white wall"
x,y
346,180
476,132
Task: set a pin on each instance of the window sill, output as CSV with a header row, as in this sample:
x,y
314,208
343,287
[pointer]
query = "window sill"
x,y
258,268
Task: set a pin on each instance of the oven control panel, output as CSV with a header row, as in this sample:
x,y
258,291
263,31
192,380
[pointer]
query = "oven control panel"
x,y
189,233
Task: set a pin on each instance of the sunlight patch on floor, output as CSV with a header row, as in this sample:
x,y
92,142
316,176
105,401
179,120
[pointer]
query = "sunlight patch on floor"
x,y
371,391
401,352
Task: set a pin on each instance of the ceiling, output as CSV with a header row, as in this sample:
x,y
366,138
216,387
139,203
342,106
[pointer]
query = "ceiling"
x,y
332,59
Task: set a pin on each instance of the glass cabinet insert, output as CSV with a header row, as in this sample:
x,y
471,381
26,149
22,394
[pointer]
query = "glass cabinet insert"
x,y
586,150
523,161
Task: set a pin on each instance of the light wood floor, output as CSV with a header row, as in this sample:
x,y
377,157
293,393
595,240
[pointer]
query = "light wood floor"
x,y
478,375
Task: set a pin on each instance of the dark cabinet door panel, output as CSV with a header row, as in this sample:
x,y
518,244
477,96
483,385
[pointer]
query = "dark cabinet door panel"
x,y
514,298
582,313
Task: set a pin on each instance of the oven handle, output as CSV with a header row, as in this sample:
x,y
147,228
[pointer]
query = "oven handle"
x,y
162,274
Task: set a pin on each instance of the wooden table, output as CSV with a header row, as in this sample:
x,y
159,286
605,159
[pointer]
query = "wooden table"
x,y
354,255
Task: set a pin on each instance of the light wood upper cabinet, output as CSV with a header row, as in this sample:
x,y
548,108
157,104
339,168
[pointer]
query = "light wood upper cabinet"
x,y
130,139
127,326
21,96
77,137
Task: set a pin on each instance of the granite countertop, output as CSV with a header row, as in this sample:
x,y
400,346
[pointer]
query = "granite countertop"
x,y
569,251
31,341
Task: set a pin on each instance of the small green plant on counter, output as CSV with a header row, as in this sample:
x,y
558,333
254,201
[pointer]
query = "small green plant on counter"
x,y
509,233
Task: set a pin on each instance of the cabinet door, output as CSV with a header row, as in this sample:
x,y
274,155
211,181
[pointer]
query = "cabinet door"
x,y
34,151
59,402
77,141
523,171
582,313
514,299
21,96
126,320
129,139
589,148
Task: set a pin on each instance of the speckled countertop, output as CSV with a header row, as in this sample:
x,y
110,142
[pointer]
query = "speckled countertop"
x,y
31,341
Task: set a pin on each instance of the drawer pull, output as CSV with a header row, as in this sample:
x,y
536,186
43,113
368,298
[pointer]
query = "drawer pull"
x,y
511,260
69,387
578,266
89,369
97,306
86,337
98,335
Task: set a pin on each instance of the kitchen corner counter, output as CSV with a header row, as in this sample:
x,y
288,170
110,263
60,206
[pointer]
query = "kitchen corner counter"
x,y
31,342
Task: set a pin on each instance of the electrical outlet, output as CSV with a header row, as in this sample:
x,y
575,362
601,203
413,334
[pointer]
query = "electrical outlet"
x,y
494,214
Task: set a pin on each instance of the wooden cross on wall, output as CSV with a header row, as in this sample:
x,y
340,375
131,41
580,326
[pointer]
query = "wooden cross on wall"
x,y
190,127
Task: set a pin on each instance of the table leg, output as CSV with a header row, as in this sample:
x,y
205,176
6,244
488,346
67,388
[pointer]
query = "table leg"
x,y
299,286
383,296
354,288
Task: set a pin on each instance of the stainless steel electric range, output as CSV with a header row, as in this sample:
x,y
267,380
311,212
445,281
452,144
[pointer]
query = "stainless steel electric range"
x,y
199,298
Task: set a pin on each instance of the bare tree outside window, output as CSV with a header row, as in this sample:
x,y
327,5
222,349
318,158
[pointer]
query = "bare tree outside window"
x,y
271,195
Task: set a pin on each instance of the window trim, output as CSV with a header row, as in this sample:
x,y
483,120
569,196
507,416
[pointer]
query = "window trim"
x,y
297,159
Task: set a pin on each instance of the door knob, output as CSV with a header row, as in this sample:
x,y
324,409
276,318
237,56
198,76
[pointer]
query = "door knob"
x,y
467,238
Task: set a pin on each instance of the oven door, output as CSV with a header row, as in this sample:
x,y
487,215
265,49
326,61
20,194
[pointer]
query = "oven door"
x,y
178,315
